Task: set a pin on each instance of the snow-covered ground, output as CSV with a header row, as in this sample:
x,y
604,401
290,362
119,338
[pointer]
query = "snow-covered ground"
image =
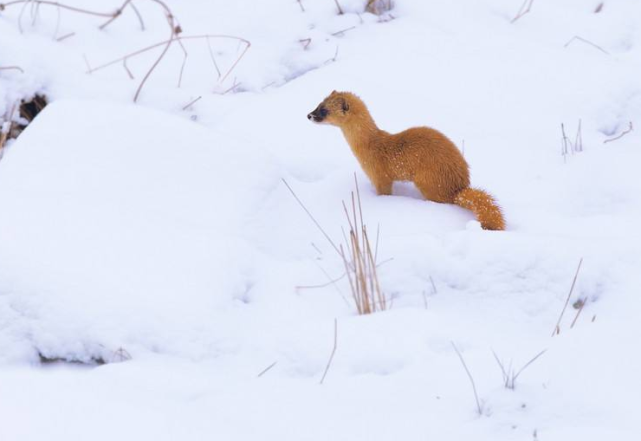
x,y
159,237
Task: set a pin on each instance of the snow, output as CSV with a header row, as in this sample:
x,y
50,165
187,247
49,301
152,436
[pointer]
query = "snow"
x,y
160,238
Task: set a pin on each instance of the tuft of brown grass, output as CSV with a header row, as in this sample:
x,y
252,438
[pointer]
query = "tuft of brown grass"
x,y
359,260
379,7
358,255
510,374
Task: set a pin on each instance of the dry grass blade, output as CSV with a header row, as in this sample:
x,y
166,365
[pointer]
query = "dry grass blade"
x,y
525,366
479,407
167,44
557,328
357,254
267,369
331,357
192,102
312,218
18,68
578,312
340,10
506,377
37,3
583,40
525,8
5,128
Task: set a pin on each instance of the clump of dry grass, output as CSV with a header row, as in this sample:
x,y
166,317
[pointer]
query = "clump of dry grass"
x,y
358,255
359,260
14,121
6,124
379,7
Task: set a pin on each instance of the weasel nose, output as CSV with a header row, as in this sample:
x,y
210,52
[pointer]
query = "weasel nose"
x,y
310,116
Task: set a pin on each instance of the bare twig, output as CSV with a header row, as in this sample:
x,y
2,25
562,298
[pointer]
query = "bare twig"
x,y
331,242
182,67
331,357
342,31
192,102
3,6
115,15
167,43
124,64
174,31
598,8
577,38
305,42
64,37
578,312
120,355
340,10
557,328
300,3
434,290
334,58
264,371
525,8
621,135
525,366
322,285
5,128
232,88
18,68
137,12
578,140
479,407
213,59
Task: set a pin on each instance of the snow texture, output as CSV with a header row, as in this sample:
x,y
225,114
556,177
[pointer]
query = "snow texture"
x,y
159,238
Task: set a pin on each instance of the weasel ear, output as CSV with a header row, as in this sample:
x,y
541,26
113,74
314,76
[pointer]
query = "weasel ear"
x,y
344,105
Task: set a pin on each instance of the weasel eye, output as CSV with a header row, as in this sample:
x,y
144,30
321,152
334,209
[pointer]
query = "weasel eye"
x,y
323,112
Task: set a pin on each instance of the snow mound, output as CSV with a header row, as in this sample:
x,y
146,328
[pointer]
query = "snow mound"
x,y
114,235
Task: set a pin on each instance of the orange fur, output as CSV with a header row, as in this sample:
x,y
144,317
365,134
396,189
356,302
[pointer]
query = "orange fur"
x,y
422,155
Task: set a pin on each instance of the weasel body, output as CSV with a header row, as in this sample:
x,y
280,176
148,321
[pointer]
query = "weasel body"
x,y
421,154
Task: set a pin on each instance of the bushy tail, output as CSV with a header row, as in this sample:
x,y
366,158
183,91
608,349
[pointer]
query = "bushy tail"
x,y
483,205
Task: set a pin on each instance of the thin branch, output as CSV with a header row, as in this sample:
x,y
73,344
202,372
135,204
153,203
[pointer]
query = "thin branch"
x,y
578,313
64,37
264,371
166,43
186,106
340,10
331,242
506,377
557,328
3,6
323,285
525,366
341,32
305,42
213,58
621,135
174,31
576,37
182,67
479,408
300,3
124,64
137,12
115,15
18,68
331,357
525,8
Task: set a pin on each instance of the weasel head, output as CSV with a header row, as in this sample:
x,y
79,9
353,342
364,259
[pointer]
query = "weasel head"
x,y
337,109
